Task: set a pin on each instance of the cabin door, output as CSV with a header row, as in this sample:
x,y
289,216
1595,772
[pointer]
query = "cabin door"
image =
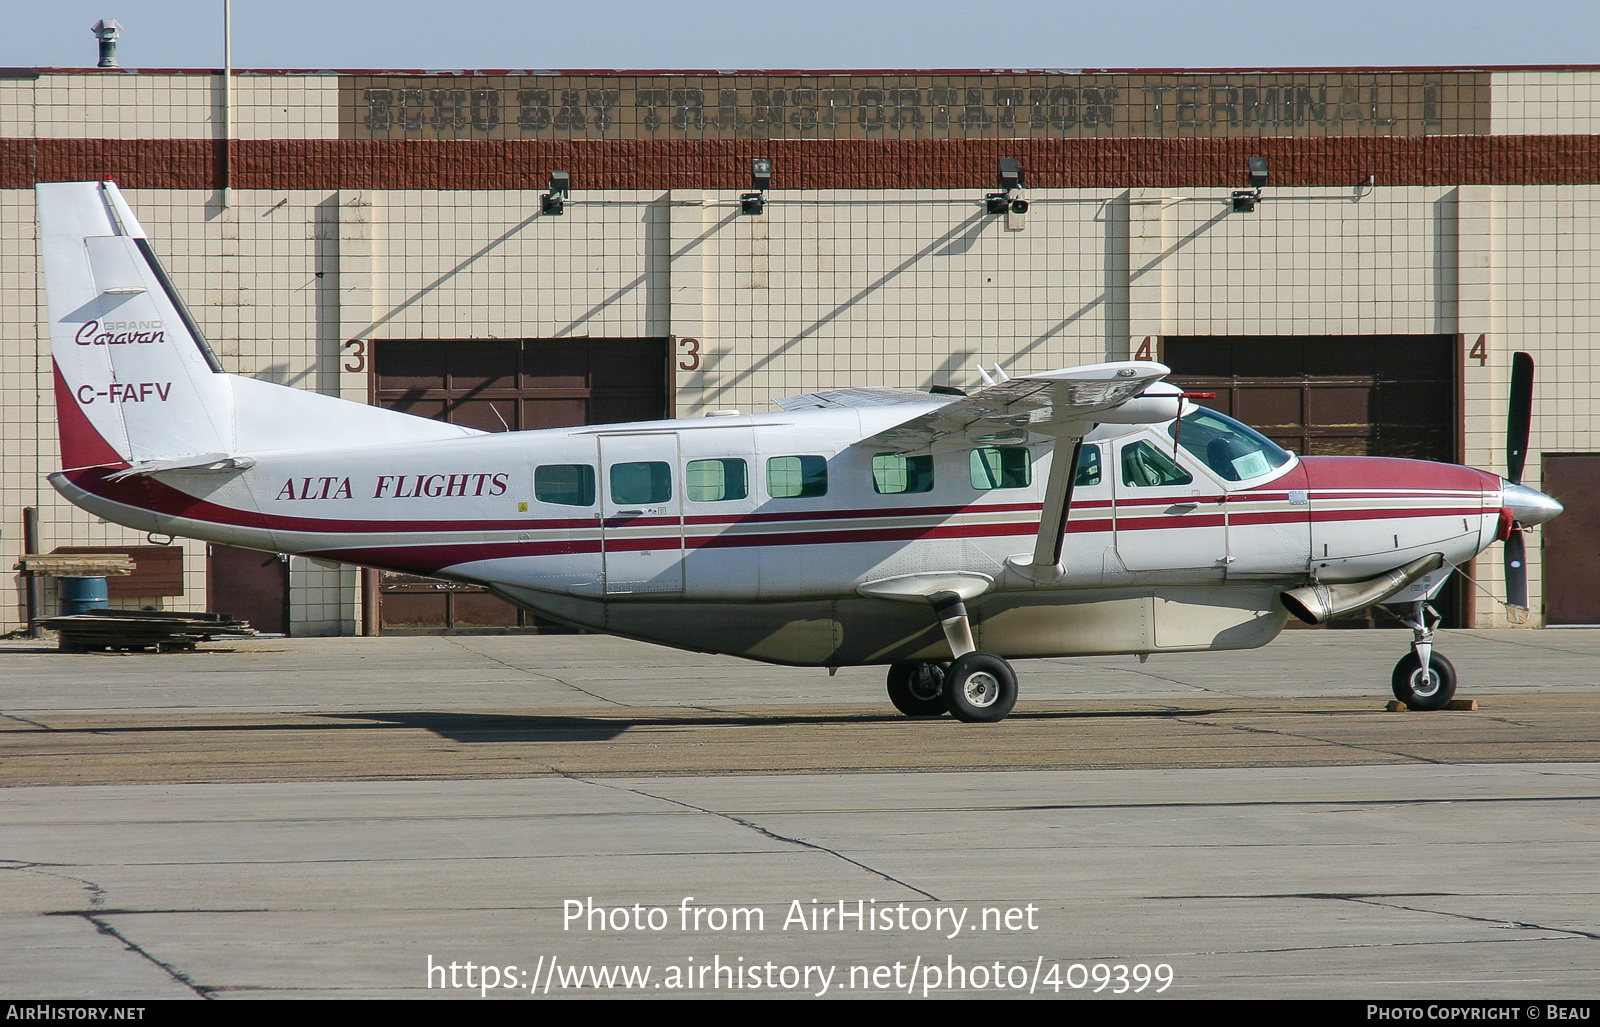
x,y
1169,517
641,506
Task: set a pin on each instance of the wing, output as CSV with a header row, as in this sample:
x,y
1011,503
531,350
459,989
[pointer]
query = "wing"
x,y
1065,404
863,396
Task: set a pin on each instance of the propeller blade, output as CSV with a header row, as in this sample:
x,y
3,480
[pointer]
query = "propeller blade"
x,y
1516,571
1518,415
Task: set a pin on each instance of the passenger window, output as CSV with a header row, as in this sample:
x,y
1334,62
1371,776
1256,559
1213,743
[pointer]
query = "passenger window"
x,y
641,484
713,481
564,484
1001,467
896,473
1143,466
1088,467
797,477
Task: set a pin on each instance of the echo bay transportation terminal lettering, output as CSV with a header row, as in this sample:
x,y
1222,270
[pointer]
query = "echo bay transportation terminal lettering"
x,y
844,915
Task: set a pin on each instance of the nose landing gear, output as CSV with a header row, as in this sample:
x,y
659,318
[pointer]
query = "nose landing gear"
x,y
1423,679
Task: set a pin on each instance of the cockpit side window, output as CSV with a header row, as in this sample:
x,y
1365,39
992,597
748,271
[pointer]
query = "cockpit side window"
x,y
1233,450
1145,466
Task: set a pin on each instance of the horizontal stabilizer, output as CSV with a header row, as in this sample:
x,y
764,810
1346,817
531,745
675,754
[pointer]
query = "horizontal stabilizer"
x,y
216,462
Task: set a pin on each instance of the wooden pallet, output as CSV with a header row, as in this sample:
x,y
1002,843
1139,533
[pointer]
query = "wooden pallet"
x,y
143,630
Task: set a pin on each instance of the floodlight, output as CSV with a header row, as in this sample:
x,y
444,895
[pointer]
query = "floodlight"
x,y
554,202
1010,174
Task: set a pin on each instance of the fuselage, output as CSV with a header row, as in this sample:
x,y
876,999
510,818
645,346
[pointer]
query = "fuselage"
x,y
681,531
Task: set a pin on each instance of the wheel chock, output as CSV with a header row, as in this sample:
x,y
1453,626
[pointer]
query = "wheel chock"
x,y
1396,706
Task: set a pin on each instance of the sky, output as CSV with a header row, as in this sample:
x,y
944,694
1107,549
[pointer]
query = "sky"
x,y
805,34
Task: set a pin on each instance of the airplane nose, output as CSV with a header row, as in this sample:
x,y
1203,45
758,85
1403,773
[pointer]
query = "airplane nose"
x,y
1528,506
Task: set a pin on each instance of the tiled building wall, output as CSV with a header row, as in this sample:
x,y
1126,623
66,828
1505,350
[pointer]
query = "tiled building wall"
x,y
488,265
130,105
1545,102
1543,297
895,288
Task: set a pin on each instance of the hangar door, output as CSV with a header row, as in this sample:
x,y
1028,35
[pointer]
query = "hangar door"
x,y
506,385
1572,541
1336,395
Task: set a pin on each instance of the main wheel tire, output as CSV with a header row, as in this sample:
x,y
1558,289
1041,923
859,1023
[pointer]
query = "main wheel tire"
x,y
1419,691
917,688
980,687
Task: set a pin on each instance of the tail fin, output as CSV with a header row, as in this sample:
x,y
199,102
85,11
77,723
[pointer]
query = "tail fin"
x,y
134,378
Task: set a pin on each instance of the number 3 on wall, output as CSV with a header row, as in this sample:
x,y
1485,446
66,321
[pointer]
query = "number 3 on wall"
x,y
689,350
358,355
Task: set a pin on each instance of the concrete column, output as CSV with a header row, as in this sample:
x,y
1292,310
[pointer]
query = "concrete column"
x,y
325,599
692,325
1150,292
1485,379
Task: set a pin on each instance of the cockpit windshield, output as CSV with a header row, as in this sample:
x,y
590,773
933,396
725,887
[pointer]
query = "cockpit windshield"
x,y
1234,451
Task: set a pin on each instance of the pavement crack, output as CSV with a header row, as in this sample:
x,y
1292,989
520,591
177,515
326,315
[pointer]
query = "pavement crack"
x,y
1141,672
178,975
533,673
764,832
97,894
1248,729
25,720
1521,925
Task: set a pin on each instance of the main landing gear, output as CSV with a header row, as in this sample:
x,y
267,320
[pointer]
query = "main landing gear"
x,y
1423,679
974,687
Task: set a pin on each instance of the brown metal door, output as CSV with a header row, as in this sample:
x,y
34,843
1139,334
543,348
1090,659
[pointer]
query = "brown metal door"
x,y
248,584
1571,542
506,385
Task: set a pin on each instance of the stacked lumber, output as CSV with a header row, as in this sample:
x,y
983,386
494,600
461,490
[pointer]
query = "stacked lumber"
x,y
76,565
143,630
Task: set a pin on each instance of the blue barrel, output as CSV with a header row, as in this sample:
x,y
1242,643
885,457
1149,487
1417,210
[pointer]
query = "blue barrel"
x,y
80,595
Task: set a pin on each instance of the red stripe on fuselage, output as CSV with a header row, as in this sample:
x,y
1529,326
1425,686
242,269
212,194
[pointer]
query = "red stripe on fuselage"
x,y
1140,515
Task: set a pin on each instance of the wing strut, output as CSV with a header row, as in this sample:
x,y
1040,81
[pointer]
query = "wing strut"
x,y
1046,563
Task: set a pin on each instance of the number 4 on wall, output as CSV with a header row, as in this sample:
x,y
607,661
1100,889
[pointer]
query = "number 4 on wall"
x,y
1479,351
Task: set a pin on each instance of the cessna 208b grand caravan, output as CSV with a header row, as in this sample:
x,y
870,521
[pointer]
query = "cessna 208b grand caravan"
x,y
1091,510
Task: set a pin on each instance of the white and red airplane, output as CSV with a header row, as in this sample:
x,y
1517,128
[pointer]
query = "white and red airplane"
x,y
940,534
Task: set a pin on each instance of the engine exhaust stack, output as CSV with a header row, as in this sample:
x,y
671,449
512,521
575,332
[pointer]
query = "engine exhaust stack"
x,y
1319,603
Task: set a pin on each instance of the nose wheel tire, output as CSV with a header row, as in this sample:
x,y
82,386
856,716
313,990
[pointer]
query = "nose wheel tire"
x,y
980,687
917,688
1424,691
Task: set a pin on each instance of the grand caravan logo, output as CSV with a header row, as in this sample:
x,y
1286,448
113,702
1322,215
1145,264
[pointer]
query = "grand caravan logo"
x,y
120,333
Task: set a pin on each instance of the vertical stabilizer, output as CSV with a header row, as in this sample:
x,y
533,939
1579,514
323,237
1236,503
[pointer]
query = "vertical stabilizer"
x,y
135,380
